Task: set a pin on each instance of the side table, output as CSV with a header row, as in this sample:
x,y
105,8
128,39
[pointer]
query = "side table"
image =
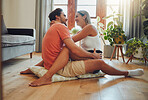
x,y
118,46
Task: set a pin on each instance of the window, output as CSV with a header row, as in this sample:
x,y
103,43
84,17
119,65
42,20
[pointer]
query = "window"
x,y
88,5
112,5
94,7
61,4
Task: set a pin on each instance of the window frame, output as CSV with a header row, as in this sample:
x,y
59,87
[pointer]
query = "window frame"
x,y
56,4
90,5
72,4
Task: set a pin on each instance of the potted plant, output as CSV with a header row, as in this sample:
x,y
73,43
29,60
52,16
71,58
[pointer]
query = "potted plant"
x,y
114,32
137,49
108,49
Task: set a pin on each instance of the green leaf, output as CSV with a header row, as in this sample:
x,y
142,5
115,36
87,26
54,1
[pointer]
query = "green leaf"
x,y
111,27
105,37
101,24
144,3
108,16
101,30
116,18
104,33
109,24
119,14
136,15
98,19
119,23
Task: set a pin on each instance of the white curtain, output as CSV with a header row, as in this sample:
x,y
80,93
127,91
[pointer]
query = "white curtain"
x,y
43,8
132,26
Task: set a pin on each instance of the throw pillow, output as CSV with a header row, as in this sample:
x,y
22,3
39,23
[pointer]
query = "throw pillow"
x,y
40,71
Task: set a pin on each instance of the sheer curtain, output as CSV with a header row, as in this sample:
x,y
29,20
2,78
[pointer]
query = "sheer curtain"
x,y
132,26
43,8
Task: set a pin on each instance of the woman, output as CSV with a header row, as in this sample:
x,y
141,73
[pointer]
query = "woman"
x,y
89,36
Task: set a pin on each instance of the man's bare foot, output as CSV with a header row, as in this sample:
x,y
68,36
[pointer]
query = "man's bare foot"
x,y
41,81
27,71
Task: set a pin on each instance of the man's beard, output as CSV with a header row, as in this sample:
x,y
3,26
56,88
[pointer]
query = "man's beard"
x,y
63,22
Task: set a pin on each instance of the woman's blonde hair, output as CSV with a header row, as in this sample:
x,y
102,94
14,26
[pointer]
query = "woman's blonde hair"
x,y
82,13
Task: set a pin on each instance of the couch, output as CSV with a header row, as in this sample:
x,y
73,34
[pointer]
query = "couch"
x,y
16,41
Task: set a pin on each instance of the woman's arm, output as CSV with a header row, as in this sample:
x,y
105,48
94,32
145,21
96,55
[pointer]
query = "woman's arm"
x,y
88,30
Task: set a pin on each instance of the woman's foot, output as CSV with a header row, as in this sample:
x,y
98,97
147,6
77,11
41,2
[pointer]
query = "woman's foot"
x,y
27,71
41,81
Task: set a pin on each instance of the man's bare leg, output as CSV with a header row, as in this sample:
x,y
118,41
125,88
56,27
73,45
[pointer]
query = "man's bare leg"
x,y
40,63
28,71
76,58
59,63
97,64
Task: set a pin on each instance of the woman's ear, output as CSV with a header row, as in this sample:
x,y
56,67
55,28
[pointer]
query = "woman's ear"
x,y
84,17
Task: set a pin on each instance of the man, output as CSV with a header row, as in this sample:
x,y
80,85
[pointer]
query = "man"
x,y
56,56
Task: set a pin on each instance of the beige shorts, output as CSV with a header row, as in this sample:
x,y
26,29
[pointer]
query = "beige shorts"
x,y
73,68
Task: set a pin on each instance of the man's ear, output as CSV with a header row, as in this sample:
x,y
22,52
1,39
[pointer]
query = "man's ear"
x,y
57,17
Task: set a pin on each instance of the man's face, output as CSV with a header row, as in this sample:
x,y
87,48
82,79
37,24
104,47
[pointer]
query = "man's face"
x,y
63,18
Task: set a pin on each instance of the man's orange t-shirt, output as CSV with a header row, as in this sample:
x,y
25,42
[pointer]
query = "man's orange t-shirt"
x,y
53,42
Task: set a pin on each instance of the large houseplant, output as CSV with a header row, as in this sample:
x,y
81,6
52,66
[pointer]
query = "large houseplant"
x,y
114,32
108,49
137,48
144,13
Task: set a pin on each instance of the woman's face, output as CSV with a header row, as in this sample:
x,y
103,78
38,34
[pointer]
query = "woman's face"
x,y
79,19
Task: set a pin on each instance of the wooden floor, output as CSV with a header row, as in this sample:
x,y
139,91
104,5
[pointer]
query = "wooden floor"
x,y
15,86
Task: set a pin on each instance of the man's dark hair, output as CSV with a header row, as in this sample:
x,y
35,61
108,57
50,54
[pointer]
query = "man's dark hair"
x,y
54,13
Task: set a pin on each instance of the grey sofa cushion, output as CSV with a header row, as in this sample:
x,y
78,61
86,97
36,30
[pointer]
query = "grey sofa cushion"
x,y
15,40
3,26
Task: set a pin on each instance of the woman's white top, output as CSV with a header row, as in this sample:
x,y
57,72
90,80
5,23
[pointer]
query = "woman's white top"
x,y
91,42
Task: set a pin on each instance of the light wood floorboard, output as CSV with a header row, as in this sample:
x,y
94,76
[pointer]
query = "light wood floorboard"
x,y
15,86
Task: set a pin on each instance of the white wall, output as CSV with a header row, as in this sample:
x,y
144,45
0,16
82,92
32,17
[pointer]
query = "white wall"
x,y
19,13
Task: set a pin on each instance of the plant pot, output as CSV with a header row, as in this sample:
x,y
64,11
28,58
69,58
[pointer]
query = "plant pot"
x,y
108,50
119,40
139,54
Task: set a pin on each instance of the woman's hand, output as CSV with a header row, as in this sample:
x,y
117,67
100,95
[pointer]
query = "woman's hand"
x,y
98,55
